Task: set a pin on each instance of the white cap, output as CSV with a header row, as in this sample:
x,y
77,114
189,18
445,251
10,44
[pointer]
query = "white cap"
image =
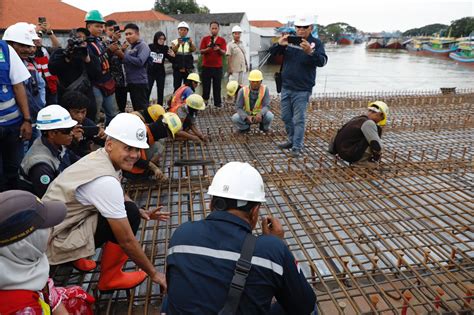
x,y
304,21
33,32
129,129
236,29
22,33
183,24
54,117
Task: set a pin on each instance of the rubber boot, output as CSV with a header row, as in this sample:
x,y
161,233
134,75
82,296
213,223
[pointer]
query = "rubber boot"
x,y
85,265
111,275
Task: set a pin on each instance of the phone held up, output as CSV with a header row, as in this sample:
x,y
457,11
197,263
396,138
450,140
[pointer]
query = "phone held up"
x,y
41,19
294,40
116,28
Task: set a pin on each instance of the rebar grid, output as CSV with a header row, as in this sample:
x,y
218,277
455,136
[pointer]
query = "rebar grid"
x,y
395,240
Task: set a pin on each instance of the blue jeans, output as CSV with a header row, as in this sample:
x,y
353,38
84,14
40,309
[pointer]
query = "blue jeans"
x,y
11,154
244,125
107,103
293,111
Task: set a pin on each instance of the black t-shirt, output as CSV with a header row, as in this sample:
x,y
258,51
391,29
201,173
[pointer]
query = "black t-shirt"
x,y
158,53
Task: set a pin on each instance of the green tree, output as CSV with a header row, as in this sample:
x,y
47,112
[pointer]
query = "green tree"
x,y
462,27
179,7
427,30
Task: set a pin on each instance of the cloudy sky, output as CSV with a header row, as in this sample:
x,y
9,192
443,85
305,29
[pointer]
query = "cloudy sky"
x,y
367,15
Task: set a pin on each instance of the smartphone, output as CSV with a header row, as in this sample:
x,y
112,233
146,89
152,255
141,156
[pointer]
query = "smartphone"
x,y
41,19
116,28
185,39
295,40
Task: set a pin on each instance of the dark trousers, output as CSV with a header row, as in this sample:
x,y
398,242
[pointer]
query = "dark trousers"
x,y
51,98
121,97
11,154
214,74
179,77
103,232
159,78
138,95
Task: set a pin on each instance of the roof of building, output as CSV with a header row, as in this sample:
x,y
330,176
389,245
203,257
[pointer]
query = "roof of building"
x,y
266,23
130,16
263,32
60,15
222,18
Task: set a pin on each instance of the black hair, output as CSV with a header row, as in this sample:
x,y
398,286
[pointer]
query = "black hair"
x,y
132,26
81,30
215,22
223,204
157,36
109,23
74,100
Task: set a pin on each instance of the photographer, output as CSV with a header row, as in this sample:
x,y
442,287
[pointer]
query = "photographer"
x,y
212,48
183,47
113,32
74,66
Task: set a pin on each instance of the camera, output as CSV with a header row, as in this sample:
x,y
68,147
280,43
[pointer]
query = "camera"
x,y
75,47
212,44
294,40
90,131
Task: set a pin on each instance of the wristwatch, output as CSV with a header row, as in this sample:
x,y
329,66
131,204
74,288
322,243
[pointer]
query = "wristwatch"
x,y
50,32
28,120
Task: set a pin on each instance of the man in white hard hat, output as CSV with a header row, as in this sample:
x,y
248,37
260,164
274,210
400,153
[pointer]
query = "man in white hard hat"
x,y
48,156
183,47
302,54
217,264
15,118
237,59
99,212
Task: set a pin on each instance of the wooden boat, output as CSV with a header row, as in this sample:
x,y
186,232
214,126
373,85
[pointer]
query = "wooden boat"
x,y
394,43
375,43
440,47
464,54
346,39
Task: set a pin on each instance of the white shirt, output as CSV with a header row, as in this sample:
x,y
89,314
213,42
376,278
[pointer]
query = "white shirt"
x,y
18,71
106,195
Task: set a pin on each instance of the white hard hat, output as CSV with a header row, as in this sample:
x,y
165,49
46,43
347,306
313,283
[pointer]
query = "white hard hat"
x,y
239,181
236,29
33,32
21,33
183,24
54,117
129,129
304,21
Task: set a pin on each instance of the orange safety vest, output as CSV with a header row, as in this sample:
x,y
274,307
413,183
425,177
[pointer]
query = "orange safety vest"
x,y
51,80
143,152
104,61
258,103
178,98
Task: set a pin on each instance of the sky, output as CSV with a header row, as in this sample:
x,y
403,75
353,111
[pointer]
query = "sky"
x,y
366,15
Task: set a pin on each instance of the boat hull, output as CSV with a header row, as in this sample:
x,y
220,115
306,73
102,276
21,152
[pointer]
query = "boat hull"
x,y
460,58
438,52
345,41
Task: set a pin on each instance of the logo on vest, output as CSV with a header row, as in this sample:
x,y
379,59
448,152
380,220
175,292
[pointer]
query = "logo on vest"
x,y
45,180
140,134
2,56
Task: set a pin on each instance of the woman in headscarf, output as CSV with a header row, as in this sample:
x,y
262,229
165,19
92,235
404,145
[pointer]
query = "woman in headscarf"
x,y
156,71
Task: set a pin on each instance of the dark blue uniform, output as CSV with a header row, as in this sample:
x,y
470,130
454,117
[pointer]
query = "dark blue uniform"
x,y
201,261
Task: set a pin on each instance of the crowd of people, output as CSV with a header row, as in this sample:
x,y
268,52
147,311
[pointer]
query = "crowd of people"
x,y
61,168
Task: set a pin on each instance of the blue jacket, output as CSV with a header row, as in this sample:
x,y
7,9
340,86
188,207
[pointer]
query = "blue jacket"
x,y
136,62
201,261
299,68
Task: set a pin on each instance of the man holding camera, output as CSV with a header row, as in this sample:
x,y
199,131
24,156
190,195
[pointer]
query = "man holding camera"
x,y
183,47
112,29
302,54
213,47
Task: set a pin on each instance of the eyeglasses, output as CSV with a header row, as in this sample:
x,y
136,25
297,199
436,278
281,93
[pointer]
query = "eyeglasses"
x,y
303,27
161,38
65,131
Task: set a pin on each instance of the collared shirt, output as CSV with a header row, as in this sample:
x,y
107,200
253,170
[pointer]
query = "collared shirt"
x,y
201,261
237,52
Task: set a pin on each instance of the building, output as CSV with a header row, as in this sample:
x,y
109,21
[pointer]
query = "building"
x,y
262,36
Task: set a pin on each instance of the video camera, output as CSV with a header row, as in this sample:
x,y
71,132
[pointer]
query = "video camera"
x,y
75,46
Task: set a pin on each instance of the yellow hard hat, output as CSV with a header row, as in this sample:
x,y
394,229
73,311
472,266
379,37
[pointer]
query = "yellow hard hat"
x,y
255,75
383,108
155,111
232,87
194,77
195,101
173,122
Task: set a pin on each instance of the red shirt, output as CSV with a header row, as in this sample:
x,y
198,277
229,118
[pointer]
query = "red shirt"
x,y
213,58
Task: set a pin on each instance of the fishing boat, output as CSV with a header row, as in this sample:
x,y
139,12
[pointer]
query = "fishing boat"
x,y
465,53
346,39
440,47
375,43
393,43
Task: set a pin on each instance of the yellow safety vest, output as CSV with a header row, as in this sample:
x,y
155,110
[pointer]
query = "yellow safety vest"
x,y
258,103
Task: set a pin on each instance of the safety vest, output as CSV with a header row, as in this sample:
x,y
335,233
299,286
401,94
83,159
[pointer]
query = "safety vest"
x,y
51,80
9,111
177,99
258,103
143,152
102,54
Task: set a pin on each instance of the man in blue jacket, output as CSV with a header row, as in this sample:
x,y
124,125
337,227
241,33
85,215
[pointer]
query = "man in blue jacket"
x,y
298,78
202,255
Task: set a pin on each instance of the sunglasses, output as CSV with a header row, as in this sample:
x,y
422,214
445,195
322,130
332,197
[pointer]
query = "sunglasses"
x,y
303,27
65,131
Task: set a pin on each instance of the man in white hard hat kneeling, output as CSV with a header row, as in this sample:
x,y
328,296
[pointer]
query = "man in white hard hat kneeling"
x,y
216,264
98,212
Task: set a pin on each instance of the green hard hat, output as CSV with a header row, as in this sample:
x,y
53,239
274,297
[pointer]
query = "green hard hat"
x,y
94,16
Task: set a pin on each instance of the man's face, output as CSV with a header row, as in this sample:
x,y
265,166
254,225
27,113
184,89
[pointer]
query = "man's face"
x,y
374,116
122,155
236,36
60,136
182,31
38,42
214,28
132,36
304,31
96,29
81,35
24,51
255,85
78,114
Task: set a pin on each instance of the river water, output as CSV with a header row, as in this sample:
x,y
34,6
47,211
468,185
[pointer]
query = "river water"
x,y
354,68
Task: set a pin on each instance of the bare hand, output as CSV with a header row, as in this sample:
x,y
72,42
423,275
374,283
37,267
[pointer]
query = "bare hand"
x,y
171,53
272,226
217,47
25,131
258,118
101,134
283,40
155,214
78,133
113,47
249,119
204,138
125,45
306,46
160,278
